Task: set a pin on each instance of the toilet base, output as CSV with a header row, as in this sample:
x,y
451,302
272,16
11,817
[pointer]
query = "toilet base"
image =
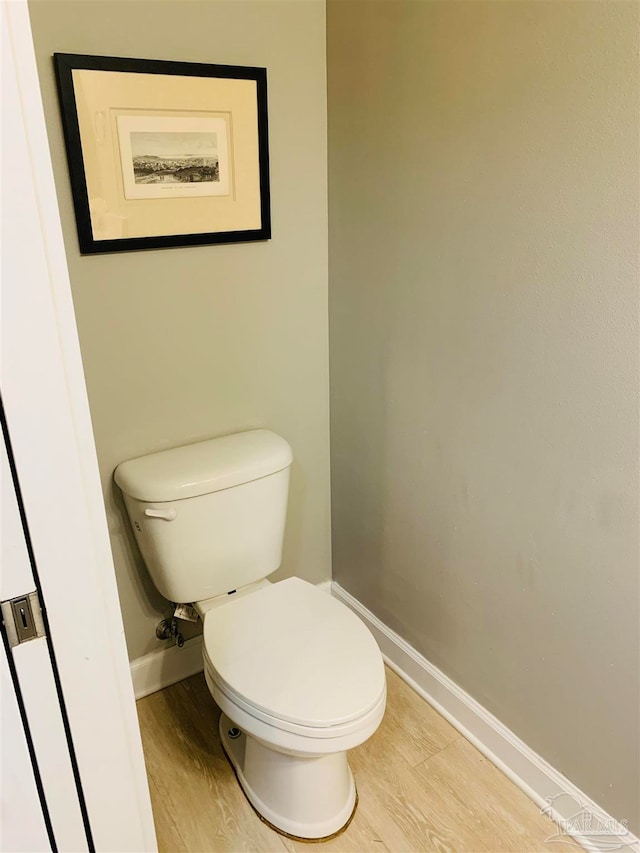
x,y
309,798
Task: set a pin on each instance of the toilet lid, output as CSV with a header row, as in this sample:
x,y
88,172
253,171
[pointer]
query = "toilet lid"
x,y
296,654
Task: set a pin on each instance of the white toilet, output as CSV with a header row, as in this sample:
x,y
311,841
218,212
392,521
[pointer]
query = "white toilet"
x,y
299,678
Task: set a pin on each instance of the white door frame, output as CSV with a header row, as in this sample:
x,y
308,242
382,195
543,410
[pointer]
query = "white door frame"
x,y
49,425
20,784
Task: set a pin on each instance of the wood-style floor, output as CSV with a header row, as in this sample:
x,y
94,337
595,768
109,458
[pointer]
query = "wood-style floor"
x,y
422,786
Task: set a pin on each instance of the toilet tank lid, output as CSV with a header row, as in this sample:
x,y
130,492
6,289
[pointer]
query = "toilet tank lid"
x,y
204,467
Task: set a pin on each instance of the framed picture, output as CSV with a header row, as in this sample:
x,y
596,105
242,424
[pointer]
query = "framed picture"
x,y
164,153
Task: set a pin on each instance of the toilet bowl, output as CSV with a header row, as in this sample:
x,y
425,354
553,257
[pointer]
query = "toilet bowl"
x,y
298,677
300,680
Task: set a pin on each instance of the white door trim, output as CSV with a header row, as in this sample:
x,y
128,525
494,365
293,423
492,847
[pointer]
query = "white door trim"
x,y
21,782
36,690
50,429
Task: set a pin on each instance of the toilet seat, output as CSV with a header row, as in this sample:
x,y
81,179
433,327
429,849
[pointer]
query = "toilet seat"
x,y
296,740
296,659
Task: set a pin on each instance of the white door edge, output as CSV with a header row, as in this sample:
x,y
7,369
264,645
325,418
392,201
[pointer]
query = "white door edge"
x,y
49,424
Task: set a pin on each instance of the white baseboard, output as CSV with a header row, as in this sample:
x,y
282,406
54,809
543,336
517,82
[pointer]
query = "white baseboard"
x,y
166,666
575,814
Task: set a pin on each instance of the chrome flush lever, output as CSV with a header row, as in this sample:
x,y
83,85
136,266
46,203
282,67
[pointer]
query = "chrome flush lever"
x,y
164,514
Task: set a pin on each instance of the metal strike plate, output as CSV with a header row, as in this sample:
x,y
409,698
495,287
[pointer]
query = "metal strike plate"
x,y
22,617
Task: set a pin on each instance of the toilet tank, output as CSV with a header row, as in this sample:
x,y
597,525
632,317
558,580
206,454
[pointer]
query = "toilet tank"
x,y
209,517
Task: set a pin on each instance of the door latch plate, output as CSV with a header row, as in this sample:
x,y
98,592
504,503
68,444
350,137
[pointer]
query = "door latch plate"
x,y
22,617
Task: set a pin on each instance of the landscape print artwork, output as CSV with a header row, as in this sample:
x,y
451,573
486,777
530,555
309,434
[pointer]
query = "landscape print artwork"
x,y
167,157
174,158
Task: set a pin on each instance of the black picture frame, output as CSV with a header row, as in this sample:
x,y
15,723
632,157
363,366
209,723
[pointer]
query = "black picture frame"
x,y
66,63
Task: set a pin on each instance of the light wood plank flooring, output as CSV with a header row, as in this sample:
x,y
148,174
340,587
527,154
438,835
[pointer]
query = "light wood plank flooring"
x,y
422,786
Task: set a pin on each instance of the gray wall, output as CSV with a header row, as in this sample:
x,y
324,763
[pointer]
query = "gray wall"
x,y
183,344
483,162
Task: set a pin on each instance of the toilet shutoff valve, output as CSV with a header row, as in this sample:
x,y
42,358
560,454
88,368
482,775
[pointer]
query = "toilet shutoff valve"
x,y
167,629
